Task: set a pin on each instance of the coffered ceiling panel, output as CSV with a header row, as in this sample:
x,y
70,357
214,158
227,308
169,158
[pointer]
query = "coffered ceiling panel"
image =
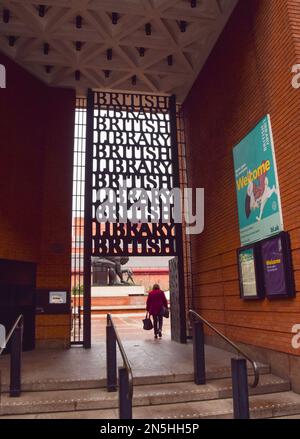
x,y
154,46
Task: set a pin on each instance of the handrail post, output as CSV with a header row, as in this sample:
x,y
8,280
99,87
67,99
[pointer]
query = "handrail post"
x,y
197,317
240,389
199,353
16,361
111,358
125,402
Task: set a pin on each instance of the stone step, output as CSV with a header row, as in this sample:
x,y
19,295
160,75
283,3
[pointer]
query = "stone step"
x,y
145,395
288,417
276,405
212,373
261,407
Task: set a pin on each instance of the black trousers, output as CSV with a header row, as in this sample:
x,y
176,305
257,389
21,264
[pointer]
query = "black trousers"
x,y
158,324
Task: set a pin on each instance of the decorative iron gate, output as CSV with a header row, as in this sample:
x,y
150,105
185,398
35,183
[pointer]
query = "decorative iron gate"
x,y
77,249
131,142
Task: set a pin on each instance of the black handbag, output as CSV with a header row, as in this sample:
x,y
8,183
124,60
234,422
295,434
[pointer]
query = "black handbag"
x,y
165,312
147,323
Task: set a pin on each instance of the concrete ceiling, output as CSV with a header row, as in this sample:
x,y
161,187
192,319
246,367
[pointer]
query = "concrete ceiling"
x,y
66,51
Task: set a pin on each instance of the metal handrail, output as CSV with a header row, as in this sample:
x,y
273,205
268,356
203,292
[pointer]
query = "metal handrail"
x,y
16,324
123,354
236,347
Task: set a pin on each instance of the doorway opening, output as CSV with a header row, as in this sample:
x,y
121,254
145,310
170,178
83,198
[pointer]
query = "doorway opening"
x,y
127,301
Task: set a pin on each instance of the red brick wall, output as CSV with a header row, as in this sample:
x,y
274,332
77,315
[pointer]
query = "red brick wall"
x,y
37,125
247,76
22,152
149,279
55,239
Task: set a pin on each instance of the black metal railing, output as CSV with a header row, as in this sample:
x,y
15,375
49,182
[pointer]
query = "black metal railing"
x,y
240,390
125,376
15,337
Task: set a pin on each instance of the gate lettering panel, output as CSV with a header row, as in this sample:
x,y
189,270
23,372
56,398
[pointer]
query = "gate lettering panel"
x,y
132,148
131,144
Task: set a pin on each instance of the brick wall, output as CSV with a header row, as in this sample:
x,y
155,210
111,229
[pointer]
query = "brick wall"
x,y
22,152
55,239
37,126
247,76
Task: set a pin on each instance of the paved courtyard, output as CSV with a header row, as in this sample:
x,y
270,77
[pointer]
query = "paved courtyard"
x,y
129,326
56,368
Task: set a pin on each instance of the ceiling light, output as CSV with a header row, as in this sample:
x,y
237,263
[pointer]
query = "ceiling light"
x,y
6,15
79,22
109,54
42,10
142,51
182,25
148,29
46,48
78,45
11,40
114,18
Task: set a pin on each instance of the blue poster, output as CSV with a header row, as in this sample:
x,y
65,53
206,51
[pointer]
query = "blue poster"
x,y
258,197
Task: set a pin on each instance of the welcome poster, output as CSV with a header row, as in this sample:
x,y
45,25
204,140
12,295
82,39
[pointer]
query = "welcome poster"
x,y
258,197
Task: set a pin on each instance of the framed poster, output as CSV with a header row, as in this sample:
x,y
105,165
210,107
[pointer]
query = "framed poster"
x,y
251,282
256,181
277,267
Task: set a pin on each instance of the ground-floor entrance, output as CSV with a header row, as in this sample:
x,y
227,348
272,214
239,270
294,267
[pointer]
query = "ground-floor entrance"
x,y
130,326
128,165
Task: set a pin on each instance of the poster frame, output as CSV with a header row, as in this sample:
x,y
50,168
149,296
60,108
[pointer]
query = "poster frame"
x,y
260,291
258,234
288,267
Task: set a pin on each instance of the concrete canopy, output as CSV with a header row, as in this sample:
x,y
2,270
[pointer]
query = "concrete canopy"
x,y
151,46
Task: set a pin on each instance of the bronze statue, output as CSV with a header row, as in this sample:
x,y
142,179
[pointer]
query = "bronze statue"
x,y
111,267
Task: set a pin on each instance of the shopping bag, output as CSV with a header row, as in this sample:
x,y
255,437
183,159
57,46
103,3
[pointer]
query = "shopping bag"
x,y
147,323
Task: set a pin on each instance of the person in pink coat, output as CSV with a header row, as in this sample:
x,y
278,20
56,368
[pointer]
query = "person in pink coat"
x,y
156,302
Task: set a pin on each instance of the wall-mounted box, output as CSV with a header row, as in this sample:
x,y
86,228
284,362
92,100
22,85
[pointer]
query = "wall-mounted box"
x,y
265,269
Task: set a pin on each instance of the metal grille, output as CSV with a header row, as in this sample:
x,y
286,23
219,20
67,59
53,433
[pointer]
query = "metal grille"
x,y
144,109
132,148
182,155
77,269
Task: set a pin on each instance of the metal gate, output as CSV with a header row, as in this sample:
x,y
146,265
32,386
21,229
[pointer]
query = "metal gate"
x,y
131,142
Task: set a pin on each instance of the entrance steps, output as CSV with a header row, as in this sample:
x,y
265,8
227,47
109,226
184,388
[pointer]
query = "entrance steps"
x,y
42,385
155,397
